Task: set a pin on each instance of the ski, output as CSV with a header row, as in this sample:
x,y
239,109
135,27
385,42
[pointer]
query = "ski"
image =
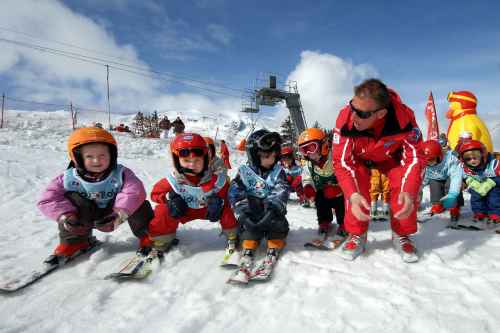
x,y
51,264
264,270
326,244
141,265
241,276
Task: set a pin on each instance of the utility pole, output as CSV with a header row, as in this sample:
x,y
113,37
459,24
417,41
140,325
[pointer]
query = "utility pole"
x,y
3,105
72,115
109,104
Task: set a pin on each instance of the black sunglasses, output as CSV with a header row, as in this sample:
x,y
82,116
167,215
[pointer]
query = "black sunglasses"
x,y
363,114
186,152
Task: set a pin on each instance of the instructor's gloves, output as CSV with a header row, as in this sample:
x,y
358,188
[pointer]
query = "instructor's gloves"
x,y
274,205
177,206
449,200
215,205
71,224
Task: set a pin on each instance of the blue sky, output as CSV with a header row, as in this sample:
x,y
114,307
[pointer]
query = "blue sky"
x,y
414,47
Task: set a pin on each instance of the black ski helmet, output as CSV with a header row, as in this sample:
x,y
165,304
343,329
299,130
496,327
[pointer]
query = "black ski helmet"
x,y
262,140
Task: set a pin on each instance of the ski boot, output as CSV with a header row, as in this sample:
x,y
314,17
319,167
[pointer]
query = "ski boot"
x,y
437,208
374,211
230,252
386,213
479,222
265,269
454,217
244,272
64,251
325,229
354,246
405,247
494,221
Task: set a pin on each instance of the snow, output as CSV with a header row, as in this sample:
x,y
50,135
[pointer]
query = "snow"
x,y
454,287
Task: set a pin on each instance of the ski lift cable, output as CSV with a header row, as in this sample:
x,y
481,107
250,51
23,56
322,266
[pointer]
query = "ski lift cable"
x,y
174,77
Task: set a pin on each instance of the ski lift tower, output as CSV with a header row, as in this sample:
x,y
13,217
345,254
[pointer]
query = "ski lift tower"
x,y
271,95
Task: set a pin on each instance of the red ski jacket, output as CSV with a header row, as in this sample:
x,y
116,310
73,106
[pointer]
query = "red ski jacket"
x,y
394,142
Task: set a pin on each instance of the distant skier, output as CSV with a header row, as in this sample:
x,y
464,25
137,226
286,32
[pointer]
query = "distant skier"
x,y
224,153
95,192
164,126
216,165
377,130
443,174
321,185
192,191
259,195
293,171
178,126
482,176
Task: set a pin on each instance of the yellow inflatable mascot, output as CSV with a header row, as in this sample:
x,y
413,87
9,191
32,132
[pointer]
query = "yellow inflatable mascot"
x,y
463,118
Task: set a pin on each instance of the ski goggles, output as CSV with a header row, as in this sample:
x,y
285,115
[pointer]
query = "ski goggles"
x,y
363,114
268,141
187,152
309,148
472,155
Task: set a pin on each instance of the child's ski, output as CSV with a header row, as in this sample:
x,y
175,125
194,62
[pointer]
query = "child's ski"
x,y
49,265
327,244
264,270
241,276
141,265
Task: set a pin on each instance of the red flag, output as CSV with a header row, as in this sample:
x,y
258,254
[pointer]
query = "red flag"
x,y
430,114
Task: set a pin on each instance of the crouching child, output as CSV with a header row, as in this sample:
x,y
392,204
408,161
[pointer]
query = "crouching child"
x,y
259,195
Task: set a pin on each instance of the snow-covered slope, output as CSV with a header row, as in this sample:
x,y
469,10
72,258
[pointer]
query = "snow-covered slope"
x,y
454,288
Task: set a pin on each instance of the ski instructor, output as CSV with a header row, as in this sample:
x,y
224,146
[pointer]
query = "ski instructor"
x,y
376,130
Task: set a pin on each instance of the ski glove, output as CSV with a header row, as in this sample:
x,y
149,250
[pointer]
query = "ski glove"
x,y
486,186
449,200
215,205
241,209
331,191
71,224
177,206
274,205
309,191
111,221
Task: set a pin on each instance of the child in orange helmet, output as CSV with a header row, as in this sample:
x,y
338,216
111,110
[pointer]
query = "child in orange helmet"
x,y
190,192
320,184
95,192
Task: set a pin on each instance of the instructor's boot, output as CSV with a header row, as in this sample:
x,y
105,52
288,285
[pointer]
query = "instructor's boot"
x,y
405,247
354,246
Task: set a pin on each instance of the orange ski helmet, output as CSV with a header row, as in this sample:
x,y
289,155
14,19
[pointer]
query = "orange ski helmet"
x,y
463,100
317,135
85,135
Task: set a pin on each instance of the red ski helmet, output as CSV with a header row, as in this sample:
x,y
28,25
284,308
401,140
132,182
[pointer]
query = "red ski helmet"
x,y
432,149
471,144
188,144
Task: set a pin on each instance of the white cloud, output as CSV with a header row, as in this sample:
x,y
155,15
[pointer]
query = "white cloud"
x,y
325,84
49,78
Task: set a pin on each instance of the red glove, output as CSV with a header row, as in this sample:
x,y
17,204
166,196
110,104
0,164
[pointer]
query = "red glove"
x,y
289,179
309,191
296,182
331,191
